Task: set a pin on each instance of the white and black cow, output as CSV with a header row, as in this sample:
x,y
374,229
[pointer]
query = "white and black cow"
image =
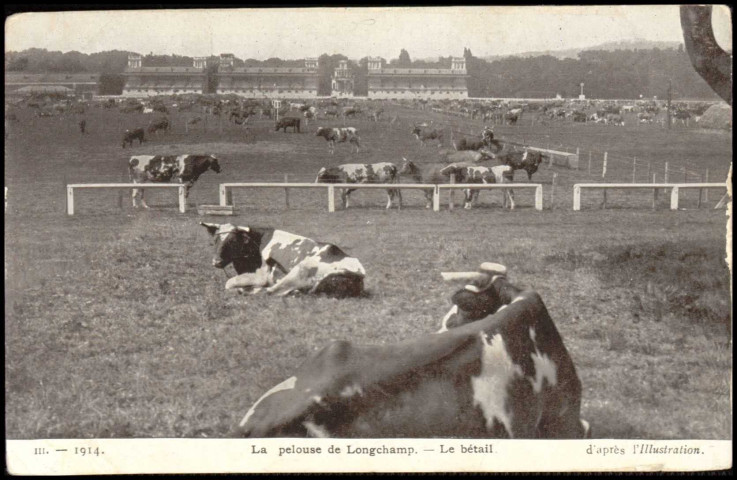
x,y
185,169
467,173
382,172
425,134
339,135
526,160
281,262
498,370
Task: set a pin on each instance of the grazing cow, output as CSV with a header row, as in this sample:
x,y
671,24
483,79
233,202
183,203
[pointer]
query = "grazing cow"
x,y
135,134
513,116
425,133
283,123
682,115
383,172
260,255
185,169
465,173
525,160
645,117
162,124
424,173
614,119
331,113
579,116
351,112
502,372
339,135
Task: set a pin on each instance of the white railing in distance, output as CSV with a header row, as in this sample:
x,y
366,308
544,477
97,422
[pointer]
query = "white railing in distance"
x,y
129,186
675,187
503,186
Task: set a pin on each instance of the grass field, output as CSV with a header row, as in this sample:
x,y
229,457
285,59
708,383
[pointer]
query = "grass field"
x,y
116,324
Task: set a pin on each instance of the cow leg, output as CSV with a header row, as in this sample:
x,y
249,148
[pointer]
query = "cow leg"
x,y
302,276
344,197
510,194
257,279
134,196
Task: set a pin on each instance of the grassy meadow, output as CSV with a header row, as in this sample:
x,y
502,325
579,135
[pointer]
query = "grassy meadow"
x,y
117,325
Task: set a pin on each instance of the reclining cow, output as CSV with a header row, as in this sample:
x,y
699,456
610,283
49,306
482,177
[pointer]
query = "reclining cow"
x,y
383,172
499,369
135,134
261,255
185,169
466,173
339,135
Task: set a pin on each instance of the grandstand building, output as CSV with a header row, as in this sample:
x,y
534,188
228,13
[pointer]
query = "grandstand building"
x,y
143,81
343,81
417,83
80,85
267,82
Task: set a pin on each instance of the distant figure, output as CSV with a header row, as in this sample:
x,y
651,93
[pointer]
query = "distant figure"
x,y
82,126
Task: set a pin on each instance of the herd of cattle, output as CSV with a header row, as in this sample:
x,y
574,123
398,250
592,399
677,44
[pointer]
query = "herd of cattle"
x,y
496,368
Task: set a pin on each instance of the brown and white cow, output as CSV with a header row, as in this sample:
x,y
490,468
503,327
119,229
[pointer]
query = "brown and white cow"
x,y
339,135
382,172
499,369
467,173
426,133
280,262
185,169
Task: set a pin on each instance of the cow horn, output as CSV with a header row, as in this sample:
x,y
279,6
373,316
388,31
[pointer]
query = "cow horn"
x,y
493,268
464,276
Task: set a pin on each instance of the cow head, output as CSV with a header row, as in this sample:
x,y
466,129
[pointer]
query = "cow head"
x,y
236,245
322,132
486,291
408,168
214,164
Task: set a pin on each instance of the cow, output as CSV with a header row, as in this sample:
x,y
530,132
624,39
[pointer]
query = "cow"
x,y
682,115
331,113
135,134
261,255
185,169
579,116
522,160
645,117
469,173
148,110
376,115
162,124
424,173
499,370
283,123
424,134
339,135
383,172
351,112
513,116
614,119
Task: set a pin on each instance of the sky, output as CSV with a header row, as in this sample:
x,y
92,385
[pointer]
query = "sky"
x,y
424,32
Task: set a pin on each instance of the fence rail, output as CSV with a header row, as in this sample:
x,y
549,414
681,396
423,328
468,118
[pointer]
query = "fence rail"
x,y
130,186
226,195
656,187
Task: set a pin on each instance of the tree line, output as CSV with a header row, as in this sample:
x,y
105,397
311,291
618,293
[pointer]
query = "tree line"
x,y
605,74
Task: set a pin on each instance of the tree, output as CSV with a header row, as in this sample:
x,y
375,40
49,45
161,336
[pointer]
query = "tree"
x,y
404,61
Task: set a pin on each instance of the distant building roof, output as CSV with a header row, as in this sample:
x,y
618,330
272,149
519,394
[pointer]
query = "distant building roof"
x,y
164,70
268,70
414,71
62,78
44,89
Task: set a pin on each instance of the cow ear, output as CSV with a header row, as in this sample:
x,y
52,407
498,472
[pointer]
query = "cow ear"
x,y
212,228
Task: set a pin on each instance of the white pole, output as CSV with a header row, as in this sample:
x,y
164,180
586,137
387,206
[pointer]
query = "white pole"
x,y
674,198
223,195
436,199
603,169
539,197
182,199
331,199
70,200
576,198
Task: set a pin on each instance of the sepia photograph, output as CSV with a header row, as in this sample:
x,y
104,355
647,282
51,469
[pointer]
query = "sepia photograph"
x,y
368,239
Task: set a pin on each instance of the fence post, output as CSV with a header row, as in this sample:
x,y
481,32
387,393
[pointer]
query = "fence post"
x,y
603,203
450,191
665,175
223,195
650,171
286,190
706,180
576,198
552,192
182,199
539,197
436,199
685,175
577,158
70,200
331,198
634,169
655,194
603,169
589,162
674,198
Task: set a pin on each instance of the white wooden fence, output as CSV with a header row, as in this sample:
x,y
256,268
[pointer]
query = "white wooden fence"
x,y
226,199
656,187
129,186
